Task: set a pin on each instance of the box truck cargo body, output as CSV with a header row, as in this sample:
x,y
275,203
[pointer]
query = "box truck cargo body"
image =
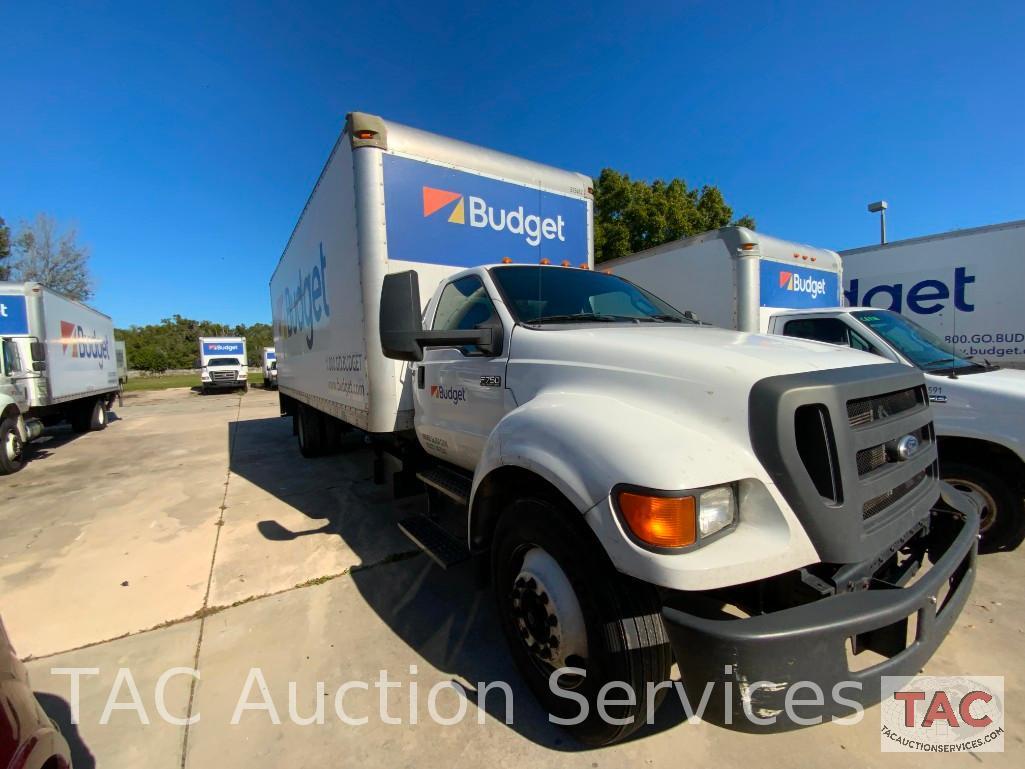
x,y
403,199
964,286
58,363
270,367
734,277
223,363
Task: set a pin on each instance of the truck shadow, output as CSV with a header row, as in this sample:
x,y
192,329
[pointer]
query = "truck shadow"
x,y
438,614
56,436
59,711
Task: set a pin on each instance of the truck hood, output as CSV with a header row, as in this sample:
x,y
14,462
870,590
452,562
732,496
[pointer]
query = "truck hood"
x,y
1002,382
684,352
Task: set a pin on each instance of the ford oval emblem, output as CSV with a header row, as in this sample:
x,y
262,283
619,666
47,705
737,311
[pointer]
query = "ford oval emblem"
x,y
907,447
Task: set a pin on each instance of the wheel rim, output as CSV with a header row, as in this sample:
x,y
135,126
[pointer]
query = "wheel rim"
x,y
101,417
12,446
547,615
987,504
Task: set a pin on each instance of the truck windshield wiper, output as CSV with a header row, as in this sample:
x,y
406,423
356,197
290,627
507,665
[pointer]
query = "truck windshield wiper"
x,y
582,317
667,318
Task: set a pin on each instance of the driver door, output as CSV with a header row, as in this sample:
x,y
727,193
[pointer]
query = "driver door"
x,y
459,392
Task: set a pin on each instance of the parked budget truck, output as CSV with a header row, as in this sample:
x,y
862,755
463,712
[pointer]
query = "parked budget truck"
x,y
742,279
964,286
638,488
223,363
270,368
57,365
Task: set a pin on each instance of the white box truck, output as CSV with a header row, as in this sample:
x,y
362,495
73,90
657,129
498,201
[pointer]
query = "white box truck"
x,y
964,286
979,409
734,277
270,368
223,363
638,488
57,364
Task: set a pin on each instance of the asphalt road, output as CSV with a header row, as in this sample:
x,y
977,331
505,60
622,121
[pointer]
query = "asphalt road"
x,y
190,534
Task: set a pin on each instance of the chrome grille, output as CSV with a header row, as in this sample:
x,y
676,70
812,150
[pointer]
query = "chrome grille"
x,y
875,457
877,504
864,411
223,376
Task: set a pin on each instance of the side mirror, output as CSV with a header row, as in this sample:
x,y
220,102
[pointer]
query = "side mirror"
x,y
400,319
401,327
38,352
39,365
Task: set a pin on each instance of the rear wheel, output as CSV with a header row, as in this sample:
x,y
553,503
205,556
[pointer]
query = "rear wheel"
x,y
12,449
98,415
1001,508
562,605
310,429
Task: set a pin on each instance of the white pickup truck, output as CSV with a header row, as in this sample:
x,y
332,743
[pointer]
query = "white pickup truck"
x,y
746,280
979,408
637,488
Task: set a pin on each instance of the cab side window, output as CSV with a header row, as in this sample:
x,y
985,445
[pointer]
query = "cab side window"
x,y
831,330
464,305
12,359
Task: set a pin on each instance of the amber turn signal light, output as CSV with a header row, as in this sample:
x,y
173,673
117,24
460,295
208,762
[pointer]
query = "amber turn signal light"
x,y
660,521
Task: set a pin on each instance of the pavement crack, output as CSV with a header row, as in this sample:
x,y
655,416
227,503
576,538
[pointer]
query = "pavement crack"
x,y
203,612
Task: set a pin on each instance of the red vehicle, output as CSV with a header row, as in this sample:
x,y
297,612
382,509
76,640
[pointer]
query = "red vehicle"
x,y
28,739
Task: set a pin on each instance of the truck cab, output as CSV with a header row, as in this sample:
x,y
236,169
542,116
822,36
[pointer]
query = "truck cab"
x,y
223,364
979,407
612,460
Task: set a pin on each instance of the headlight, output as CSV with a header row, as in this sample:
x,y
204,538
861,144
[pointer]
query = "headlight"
x,y
675,521
717,509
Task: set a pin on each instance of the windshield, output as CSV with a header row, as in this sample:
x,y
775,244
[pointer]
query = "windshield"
x,y
920,346
223,362
567,295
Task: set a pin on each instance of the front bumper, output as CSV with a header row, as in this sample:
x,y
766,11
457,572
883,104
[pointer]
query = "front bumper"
x,y
224,383
758,659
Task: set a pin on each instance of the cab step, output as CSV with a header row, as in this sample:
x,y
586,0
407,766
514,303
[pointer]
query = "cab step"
x,y
440,546
451,483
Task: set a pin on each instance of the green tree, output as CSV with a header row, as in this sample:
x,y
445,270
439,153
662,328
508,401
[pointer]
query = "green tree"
x,y
149,358
5,250
631,215
52,258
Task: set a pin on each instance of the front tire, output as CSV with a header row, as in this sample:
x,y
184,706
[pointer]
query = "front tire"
x,y
12,449
1002,509
563,605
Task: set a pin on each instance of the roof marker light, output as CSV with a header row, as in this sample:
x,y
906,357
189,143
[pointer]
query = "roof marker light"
x,y
545,260
506,260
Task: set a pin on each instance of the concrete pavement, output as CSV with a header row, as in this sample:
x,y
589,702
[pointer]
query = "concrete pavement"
x,y
295,568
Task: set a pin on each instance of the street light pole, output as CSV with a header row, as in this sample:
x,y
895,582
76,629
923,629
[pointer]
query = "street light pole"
x,y
879,207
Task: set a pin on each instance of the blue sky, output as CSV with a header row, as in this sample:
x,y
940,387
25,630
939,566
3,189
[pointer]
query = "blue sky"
x,y
183,138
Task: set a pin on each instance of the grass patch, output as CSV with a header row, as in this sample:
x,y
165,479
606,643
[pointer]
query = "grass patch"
x,y
163,382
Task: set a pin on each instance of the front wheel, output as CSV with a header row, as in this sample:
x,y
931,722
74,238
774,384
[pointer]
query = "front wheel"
x,y
564,609
1001,508
12,449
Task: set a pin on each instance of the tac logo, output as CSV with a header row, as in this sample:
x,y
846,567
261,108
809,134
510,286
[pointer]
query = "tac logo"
x,y
82,345
935,714
532,227
454,394
792,281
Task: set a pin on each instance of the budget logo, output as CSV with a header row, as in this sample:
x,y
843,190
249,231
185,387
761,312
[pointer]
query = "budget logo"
x,y
82,345
792,281
435,200
454,394
531,227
